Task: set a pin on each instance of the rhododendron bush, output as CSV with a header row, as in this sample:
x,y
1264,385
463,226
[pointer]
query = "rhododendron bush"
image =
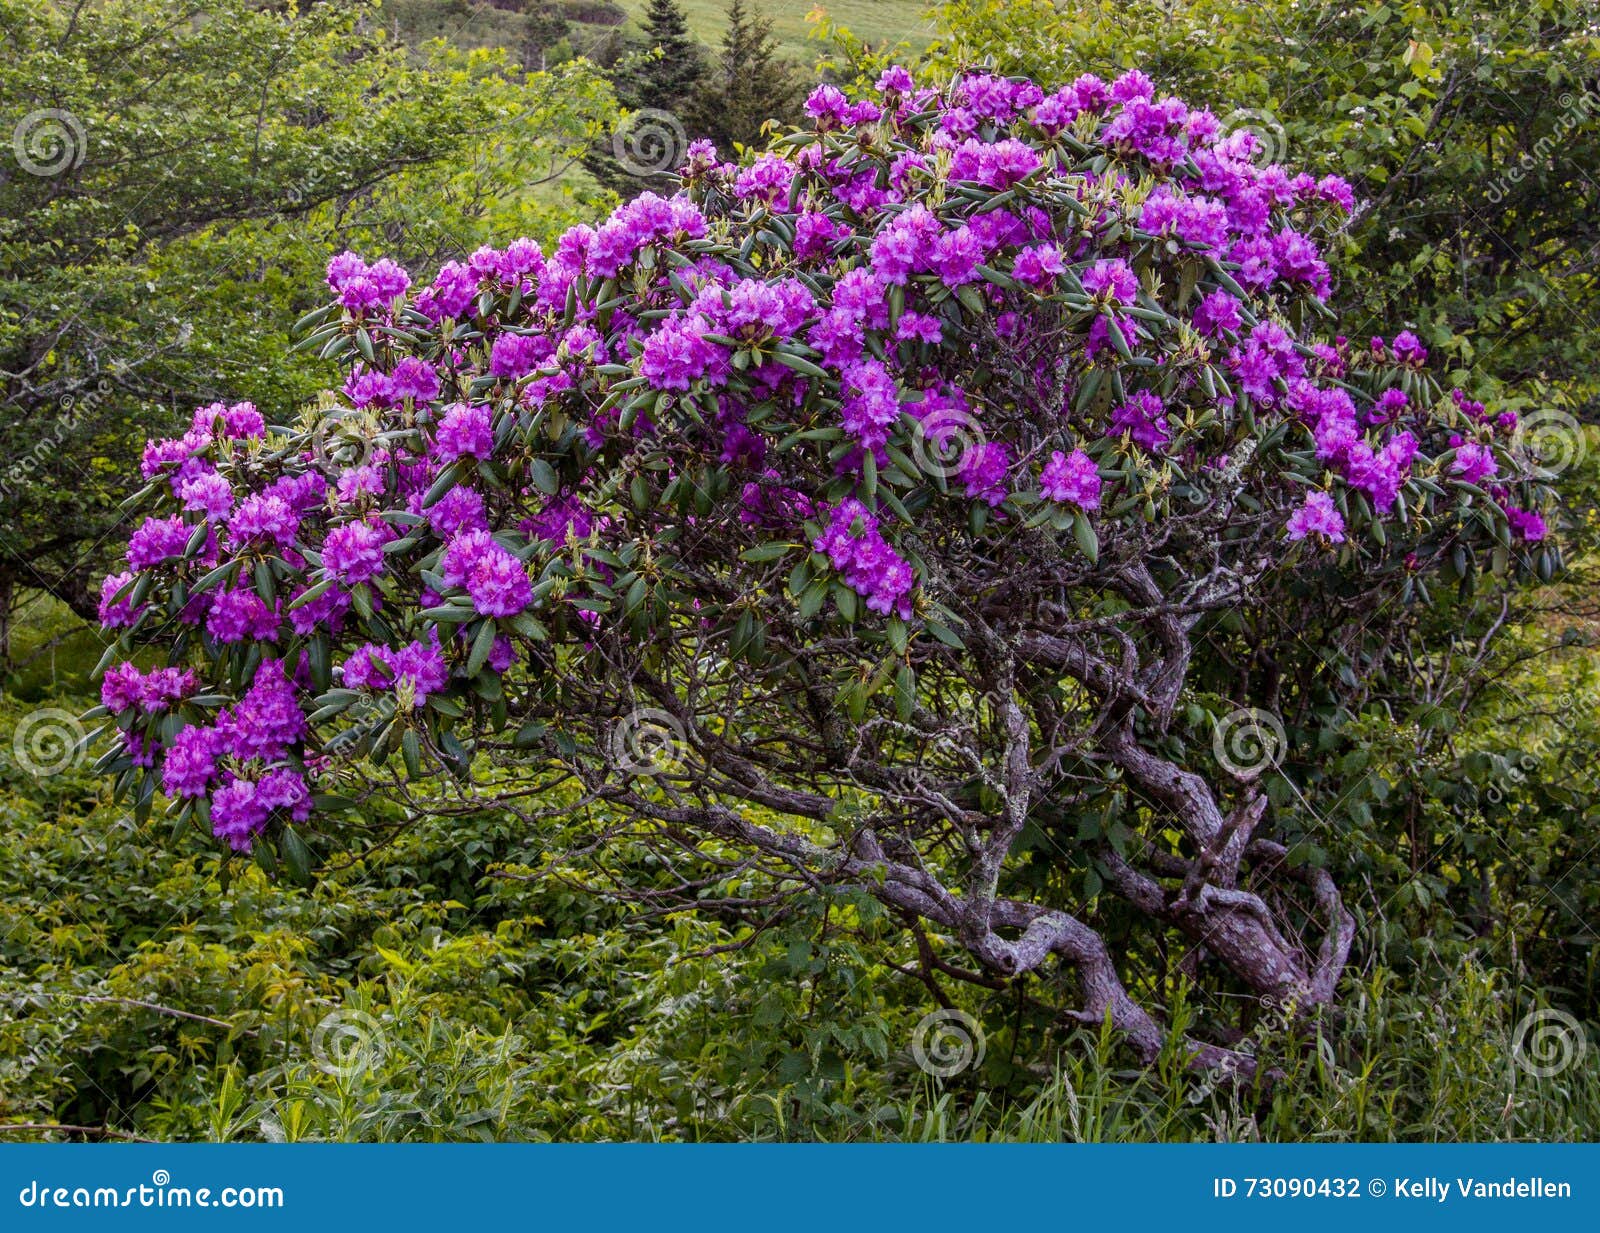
x,y
853,520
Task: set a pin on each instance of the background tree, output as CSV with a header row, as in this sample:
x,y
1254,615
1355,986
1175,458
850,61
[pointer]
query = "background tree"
x,y
749,84
659,81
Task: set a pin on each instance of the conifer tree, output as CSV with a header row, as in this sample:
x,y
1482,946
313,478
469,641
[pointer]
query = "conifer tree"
x,y
663,78
750,82
674,66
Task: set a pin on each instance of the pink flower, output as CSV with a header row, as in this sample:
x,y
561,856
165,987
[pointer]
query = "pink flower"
x,y
1111,282
1317,515
1071,478
464,431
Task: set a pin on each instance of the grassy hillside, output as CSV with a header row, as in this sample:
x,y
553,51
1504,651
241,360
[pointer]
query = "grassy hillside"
x,y
592,25
873,20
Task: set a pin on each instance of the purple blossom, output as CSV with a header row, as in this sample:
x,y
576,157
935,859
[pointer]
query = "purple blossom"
x,y
494,579
117,613
1317,515
1218,314
957,256
918,327
157,540
1474,462
1072,478
815,235
998,165
1408,350
1111,282
984,470
1527,523
871,568
353,553
676,355
1144,419
871,402
343,268
516,355
460,509
241,614
1038,266
206,493
124,688
264,517
241,808
191,762
767,179
416,670
464,431
415,379
266,722
895,80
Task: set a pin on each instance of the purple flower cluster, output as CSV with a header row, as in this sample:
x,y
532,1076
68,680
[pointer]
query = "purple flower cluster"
x,y
1317,515
464,431
677,354
871,568
1072,478
871,402
1474,461
414,671
984,470
1111,282
265,517
495,579
125,688
1097,264
240,614
1144,418
997,165
241,808
238,422
118,613
157,540
353,553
